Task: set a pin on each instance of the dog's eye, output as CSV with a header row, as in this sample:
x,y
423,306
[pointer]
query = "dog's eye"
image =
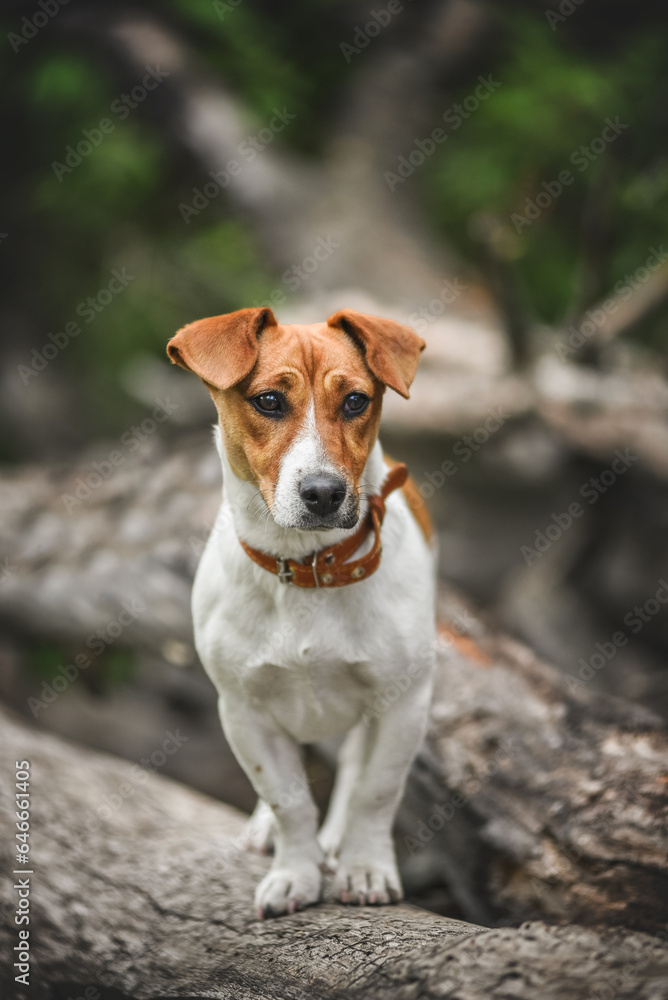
x,y
355,403
271,404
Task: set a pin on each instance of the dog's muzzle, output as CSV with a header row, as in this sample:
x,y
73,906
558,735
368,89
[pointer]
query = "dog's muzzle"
x,y
322,494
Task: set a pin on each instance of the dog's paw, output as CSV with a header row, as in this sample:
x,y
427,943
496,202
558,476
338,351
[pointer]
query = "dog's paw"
x,y
260,830
330,843
287,889
370,881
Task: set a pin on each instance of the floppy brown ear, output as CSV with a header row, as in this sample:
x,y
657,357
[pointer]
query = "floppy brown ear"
x,y
392,350
221,349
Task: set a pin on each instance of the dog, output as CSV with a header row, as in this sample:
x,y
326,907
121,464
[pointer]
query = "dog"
x,y
314,601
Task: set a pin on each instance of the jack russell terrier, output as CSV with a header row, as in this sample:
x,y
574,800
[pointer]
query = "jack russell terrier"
x,y
305,629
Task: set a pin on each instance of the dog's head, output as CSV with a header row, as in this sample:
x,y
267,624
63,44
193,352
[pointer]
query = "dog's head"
x,y
299,406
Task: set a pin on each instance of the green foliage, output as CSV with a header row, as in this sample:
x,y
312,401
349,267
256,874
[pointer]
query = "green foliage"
x,y
552,101
45,660
113,669
119,208
63,81
118,668
250,53
289,60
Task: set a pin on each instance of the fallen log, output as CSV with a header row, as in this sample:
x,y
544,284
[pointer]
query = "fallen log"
x,y
139,889
534,797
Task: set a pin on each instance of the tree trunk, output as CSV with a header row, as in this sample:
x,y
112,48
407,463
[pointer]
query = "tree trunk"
x,y
538,798
139,889
534,796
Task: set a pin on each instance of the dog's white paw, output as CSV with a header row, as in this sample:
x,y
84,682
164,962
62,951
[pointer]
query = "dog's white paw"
x,y
330,842
367,881
260,830
287,889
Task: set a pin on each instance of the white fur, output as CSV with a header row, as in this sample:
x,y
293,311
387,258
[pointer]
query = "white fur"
x,y
293,666
306,455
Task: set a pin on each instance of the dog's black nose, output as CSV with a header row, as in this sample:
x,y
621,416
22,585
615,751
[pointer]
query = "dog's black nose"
x,y
322,494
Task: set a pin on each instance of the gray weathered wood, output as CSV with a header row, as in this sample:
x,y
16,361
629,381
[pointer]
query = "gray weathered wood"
x,y
554,798
148,894
570,827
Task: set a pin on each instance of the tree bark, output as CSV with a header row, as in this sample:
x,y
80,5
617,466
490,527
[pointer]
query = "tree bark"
x,y
71,554
139,890
534,796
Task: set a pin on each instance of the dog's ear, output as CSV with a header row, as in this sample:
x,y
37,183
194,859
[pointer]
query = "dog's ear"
x,y
392,350
221,349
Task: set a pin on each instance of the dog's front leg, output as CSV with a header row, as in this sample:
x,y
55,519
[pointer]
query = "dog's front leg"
x,y
272,762
367,870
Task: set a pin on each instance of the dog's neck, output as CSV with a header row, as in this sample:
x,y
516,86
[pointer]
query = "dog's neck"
x,y
254,523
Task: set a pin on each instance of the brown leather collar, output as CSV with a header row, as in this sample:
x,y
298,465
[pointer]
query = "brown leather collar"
x,y
328,568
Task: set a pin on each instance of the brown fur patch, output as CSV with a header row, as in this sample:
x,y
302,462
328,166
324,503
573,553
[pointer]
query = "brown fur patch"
x,y
306,363
467,646
418,508
417,505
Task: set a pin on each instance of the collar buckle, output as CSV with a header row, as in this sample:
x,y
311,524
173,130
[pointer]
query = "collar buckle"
x,y
285,574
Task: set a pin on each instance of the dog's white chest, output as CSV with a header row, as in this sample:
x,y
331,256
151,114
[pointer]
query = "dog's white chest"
x,y
310,700
306,658
315,660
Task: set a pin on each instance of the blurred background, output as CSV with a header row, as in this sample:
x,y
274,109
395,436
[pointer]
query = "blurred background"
x,y
493,173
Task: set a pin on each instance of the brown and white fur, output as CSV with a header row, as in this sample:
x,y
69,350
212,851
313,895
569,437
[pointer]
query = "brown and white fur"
x,y
292,665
